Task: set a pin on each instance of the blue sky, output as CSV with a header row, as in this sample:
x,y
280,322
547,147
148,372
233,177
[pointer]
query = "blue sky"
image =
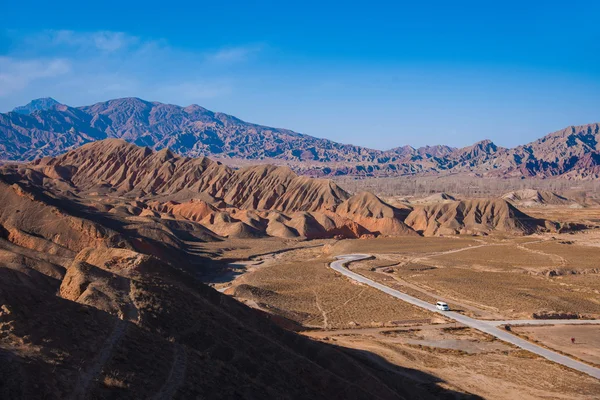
x,y
376,74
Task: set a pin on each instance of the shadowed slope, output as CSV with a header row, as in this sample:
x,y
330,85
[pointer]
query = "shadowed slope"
x,y
128,325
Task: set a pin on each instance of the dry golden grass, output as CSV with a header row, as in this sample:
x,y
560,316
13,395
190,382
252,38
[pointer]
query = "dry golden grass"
x,y
401,245
588,283
312,294
505,275
236,249
502,374
587,215
572,255
515,295
495,257
558,337
114,381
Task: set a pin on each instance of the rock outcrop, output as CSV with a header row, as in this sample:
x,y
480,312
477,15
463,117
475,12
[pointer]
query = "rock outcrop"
x,y
126,180
534,198
477,216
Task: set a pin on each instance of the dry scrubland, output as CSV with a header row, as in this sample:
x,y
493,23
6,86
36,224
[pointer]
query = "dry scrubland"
x,y
301,287
588,215
511,277
478,366
557,337
223,253
498,276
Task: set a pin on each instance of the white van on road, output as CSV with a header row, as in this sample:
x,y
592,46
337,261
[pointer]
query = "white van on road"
x,y
440,305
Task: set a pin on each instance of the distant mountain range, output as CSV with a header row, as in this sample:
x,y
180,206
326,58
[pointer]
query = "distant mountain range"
x,y
45,127
37,105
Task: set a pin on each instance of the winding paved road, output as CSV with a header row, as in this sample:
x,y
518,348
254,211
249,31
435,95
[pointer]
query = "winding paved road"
x,y
489,327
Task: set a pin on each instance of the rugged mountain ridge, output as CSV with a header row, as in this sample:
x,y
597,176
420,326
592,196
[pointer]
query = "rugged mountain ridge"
x,y
128,170
254,201
134,182
45,103
46,128
191,131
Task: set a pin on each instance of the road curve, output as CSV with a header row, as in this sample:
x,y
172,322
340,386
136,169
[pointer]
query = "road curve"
x,y
488,327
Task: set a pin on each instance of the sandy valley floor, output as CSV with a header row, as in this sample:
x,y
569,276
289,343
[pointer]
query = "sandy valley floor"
x,y
493,277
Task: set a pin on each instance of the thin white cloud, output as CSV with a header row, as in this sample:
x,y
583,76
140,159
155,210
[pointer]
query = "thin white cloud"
x,y
111,41
17,74
234,54
106,41
82,67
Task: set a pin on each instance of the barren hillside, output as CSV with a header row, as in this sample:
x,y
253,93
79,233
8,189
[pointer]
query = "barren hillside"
x,y
116,177
103,304
532,198
249,202
477,216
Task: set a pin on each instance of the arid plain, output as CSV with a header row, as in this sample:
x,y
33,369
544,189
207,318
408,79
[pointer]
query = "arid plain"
x,y
491,277
250,200
106,251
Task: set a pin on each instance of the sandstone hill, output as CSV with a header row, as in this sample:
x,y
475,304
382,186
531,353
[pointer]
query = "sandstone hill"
x,y
148,188
477,216
533,198
435,198
375,215
47,128
128,170
255,201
